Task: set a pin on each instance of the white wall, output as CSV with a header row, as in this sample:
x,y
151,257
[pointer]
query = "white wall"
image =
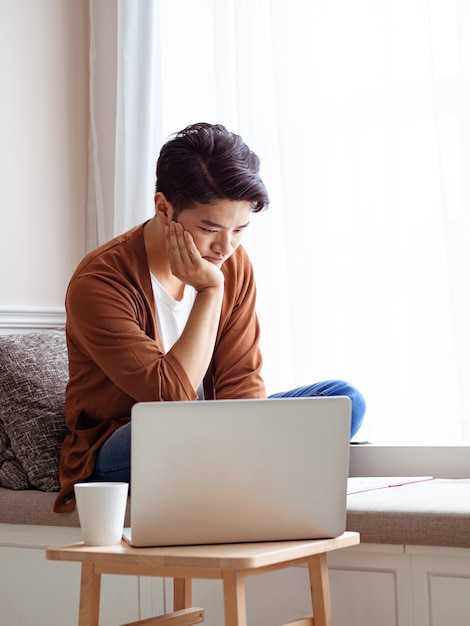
x,y
43,147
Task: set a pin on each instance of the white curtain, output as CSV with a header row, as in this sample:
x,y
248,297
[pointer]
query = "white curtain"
x,y
360,112
122,137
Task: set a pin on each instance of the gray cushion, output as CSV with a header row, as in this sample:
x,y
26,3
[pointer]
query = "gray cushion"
x,y
33,376
12,474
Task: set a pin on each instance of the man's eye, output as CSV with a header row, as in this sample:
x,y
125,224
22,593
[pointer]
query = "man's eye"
x,y
208,230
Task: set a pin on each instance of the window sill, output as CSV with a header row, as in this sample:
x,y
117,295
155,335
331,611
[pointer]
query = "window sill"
x,y
437,461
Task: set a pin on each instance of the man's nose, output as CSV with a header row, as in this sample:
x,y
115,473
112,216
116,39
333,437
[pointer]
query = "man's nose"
x,y
223,244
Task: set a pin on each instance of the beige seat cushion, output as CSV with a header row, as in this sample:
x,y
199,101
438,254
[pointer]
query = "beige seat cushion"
x,y
35,507
433,513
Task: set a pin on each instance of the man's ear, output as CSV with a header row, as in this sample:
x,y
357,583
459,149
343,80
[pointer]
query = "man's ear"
x,y
163,208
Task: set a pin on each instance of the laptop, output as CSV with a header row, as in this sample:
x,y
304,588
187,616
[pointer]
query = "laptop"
x,y
231,471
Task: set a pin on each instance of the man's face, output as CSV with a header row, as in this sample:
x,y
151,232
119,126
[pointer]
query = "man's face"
x,y
217,229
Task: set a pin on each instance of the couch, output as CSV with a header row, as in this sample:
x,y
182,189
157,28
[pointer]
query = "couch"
x,y
410,531
33,376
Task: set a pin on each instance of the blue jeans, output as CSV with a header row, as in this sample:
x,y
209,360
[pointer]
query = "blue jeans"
x,y
113,462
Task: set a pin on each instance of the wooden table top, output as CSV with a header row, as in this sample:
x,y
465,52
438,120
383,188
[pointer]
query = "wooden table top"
x,y
223,556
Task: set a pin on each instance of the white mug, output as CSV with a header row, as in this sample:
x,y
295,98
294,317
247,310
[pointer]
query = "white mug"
x,y
101,510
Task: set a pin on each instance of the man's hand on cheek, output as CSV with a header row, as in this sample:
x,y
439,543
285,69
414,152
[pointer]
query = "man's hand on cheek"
x,y
186,262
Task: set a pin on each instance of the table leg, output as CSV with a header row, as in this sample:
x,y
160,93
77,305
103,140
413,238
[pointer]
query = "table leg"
x,y
320,590
234,598
182,594
90,587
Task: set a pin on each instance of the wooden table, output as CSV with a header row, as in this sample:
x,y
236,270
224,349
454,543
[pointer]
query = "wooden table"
x,y
231,563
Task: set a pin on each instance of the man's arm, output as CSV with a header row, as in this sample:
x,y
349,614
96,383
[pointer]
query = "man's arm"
x,y
195,346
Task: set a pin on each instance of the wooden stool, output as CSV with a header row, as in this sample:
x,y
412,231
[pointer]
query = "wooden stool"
x,y
231,563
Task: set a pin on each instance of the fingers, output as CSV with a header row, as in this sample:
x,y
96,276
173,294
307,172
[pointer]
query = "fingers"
x,y
175,242
186,262
180,246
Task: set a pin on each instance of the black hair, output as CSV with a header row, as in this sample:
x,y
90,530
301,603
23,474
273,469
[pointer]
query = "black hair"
x,y
205,163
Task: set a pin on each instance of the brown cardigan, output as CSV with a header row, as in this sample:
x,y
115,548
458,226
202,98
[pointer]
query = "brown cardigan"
x,y
116,357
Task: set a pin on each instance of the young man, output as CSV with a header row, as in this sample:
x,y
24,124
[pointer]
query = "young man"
x,y
166,311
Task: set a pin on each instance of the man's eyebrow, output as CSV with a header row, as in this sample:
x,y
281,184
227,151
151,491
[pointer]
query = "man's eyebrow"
x,y
215,225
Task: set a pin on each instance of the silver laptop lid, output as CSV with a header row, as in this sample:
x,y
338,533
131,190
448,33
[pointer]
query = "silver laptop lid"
x,y
239,470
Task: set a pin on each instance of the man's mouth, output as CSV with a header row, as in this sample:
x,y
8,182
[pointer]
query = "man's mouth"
x,y
216,261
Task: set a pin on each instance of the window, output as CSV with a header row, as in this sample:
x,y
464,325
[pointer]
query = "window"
x,y
360,112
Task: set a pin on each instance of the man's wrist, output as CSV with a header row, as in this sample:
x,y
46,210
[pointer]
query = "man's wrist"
x,y
211,289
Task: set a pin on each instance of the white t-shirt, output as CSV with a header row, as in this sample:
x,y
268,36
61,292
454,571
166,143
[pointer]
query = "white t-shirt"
x,y
172,316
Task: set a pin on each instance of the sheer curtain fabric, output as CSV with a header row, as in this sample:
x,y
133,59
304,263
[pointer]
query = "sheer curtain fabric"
x,y
360,112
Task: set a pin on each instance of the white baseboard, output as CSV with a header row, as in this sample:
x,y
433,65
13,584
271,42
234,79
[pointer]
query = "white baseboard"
x,y
21,319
